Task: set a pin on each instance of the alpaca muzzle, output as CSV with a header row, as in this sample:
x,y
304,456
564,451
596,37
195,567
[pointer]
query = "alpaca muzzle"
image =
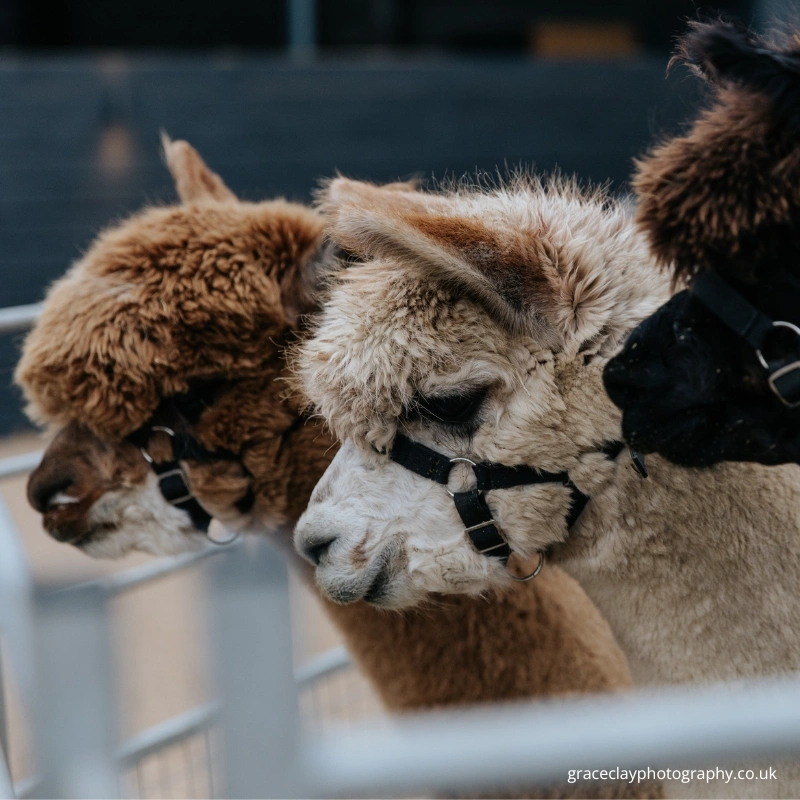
x,y
481,528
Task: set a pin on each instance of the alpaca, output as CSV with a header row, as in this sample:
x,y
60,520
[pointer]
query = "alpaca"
x,y
178,318
476,330
720,206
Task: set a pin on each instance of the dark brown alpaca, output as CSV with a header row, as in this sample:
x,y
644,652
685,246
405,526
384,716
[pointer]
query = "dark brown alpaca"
x,y
708,377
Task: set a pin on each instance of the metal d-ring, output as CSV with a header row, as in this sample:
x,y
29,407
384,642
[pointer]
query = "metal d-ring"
x,y
164,429
223,542
533,574
779,373
459,459
778,324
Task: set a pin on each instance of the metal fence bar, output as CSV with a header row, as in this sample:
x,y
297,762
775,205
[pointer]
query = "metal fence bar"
x,y
74,719
18,318
27,787
321,666
260,717
165,734
19,465
6,785
16,605
539,743
138,576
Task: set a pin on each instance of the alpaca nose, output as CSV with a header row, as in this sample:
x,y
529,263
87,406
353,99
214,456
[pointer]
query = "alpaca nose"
x,y
617,380
44,486
315,550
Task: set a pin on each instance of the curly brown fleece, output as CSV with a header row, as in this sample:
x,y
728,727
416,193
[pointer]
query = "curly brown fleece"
x,y
191,292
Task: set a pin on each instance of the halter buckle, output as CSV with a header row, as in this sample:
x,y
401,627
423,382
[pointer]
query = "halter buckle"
x,y
486,524
180,473
773,378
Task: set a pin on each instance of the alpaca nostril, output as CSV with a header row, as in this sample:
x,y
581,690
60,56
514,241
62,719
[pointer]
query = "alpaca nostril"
x,y
316,550
42,491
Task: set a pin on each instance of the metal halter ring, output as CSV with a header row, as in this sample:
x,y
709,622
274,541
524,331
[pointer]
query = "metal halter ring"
x,y
164,429
772,377
788,325
223,542
533,574
457,460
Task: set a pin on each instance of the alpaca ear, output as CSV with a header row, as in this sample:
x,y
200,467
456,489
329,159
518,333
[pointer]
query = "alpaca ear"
x,y
193,179
726,53
303,283
513,277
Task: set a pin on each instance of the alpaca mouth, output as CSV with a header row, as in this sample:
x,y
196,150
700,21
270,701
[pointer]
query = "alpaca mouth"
x,y
376,591
65,534
378,588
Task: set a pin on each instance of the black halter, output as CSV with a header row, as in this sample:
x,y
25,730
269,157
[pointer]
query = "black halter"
x,y
185,410
746,321
481,528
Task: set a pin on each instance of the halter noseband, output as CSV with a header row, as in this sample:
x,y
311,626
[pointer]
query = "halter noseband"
x,y
480,526
747,322
172,480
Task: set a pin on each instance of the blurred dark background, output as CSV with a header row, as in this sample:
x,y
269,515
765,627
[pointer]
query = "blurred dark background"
x,y
276,93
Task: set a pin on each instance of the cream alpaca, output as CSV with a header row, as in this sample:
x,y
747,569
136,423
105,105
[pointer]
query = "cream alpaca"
x,y
479,326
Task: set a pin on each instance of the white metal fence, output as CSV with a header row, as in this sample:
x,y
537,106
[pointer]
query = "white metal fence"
x,y
252,741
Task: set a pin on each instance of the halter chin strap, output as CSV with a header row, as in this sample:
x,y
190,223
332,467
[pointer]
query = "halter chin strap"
x,y
172,480
747,322
479,524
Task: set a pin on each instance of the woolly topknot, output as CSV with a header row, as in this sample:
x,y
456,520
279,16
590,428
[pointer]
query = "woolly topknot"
x,y
445,274
202,291
725,195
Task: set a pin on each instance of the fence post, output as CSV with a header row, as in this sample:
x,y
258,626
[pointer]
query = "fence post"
x,y
253,650
74,718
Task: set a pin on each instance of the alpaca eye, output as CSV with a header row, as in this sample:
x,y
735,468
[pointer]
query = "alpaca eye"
x,y
452,409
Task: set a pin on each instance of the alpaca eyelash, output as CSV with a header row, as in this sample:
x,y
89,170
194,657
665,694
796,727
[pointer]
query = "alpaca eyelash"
x,y
458,412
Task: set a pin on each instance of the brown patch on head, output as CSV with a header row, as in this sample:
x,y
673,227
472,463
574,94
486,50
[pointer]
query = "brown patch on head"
x,y
77,469
727,194
521,272
511,273
212,290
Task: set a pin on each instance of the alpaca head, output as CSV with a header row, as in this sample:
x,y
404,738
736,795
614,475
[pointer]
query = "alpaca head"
x,y
723,198
477,325
176,320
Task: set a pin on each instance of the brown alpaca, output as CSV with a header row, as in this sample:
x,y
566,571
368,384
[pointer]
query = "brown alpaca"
x,y
198,301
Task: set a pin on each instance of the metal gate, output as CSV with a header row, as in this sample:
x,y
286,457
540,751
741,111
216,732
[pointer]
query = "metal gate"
x,y
263,735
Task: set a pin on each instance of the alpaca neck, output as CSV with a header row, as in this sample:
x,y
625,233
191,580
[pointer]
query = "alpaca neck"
x,y
695,570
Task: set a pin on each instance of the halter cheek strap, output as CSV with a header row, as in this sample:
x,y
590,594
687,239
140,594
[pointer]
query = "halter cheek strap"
x,y
750,324
479,524
175,489
172,481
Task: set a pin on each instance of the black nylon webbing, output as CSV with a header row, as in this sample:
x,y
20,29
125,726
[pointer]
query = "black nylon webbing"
x,y
175,490
480,526
471,505
722,300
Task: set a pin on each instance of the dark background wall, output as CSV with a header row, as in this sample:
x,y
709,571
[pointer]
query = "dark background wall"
x,y
477,25
79,132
